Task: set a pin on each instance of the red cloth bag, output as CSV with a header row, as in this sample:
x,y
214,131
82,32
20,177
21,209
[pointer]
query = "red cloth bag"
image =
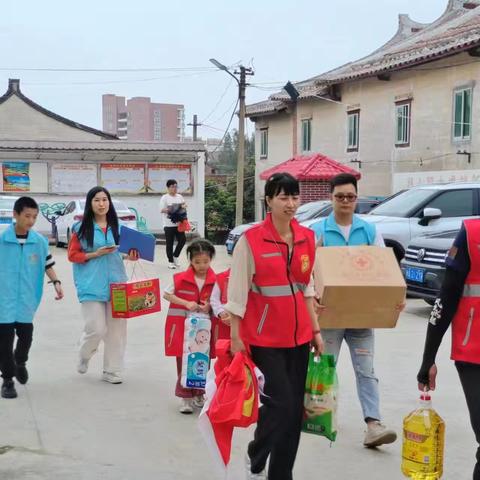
x,y
184,226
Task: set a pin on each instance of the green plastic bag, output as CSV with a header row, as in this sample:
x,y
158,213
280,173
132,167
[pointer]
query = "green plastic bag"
x,y
320,401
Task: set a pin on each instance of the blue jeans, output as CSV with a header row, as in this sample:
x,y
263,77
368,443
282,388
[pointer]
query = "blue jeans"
x,y
361,343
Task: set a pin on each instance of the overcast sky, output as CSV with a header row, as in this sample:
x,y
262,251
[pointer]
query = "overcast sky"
x,y
284,40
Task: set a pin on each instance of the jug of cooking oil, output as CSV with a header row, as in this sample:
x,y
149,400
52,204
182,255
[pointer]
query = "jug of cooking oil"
x,y
423,442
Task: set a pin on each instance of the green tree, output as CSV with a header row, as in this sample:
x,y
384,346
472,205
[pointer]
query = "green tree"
x,y
219,209
220,200
227,159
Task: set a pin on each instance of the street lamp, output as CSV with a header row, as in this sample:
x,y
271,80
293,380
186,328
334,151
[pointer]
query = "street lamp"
x,y
241,133
220,66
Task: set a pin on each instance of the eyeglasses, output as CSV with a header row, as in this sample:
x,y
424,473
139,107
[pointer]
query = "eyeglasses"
x,y
341,197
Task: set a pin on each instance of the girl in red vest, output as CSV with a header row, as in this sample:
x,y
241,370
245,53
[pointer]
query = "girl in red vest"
x,y
220,321
270,301
190,292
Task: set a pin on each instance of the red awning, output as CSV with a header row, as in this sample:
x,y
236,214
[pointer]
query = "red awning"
x,y
311,167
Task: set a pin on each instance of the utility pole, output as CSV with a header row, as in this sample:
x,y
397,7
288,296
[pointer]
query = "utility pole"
x,y
242,84
194,124
241,147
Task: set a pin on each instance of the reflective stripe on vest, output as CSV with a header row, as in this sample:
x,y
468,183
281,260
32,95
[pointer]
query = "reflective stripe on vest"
x,y
279,290
177,312
471,291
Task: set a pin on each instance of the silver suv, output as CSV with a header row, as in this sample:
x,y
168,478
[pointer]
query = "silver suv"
x,y
424,210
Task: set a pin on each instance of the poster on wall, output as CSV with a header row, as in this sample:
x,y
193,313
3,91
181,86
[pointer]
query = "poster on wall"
x,y
16,176
159,173
123,177
73,177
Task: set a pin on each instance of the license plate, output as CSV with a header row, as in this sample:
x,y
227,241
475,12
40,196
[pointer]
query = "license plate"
x,y
414,274
5,220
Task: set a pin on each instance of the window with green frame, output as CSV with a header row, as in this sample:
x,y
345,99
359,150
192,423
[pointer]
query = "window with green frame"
x,y
462,112
264,143
403,123
353,130
306,135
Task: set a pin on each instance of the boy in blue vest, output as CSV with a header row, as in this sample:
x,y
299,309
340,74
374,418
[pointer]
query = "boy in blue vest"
x,y
341,228
25,259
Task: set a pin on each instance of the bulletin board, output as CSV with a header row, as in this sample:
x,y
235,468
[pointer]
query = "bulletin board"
x,y
73,178
159,173
123,177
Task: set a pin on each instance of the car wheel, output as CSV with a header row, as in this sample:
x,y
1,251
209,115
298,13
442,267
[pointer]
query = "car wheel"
x,y
68,236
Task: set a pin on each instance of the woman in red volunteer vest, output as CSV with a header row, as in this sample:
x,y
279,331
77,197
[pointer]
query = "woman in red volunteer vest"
x,y
270,301
190,292
459,304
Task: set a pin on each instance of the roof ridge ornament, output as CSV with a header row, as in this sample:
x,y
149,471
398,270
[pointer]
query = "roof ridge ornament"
x,y
455,5
14,85
407,26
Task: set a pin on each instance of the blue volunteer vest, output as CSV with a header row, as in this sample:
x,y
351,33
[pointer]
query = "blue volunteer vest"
x,y
93,278
22,275
361,233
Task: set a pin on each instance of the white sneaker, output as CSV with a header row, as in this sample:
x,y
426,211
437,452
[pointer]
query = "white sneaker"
x,y
111,377
171,266
248,470
176,261
82,366
198,401
186,406
378,434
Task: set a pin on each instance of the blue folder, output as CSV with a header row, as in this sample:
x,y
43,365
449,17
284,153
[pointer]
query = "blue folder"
x,y
144,243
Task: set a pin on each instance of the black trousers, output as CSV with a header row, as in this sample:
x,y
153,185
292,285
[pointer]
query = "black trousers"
x,y
469,374
172,233
8,356
280,418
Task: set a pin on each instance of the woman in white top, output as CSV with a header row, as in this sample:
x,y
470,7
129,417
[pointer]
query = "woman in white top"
x,y
170,228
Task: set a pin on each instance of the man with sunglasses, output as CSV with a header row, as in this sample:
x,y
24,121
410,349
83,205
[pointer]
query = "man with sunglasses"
x,y
343,228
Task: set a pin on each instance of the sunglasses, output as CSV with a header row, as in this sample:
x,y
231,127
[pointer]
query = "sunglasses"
x,y
341,197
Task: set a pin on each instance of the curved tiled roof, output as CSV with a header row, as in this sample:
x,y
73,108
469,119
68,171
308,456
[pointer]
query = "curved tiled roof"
x,y
14,89
310,167
100,146
456,30
414,43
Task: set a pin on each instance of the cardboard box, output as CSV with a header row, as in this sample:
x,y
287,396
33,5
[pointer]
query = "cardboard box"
x,y
360,286
135,298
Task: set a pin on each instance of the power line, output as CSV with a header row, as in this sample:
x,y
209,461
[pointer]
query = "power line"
x,y
219,101
227,129
116,70
212,128
106,82
217,120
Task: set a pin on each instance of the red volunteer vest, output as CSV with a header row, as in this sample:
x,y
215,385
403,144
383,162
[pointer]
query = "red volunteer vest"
x,y
220,331
276,314
185,288
466,323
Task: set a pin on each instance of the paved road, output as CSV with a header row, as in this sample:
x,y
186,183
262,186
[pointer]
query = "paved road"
x,y
65,426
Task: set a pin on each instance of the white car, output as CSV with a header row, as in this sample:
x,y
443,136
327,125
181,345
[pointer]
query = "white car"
x,y
73,213
423,211
6,211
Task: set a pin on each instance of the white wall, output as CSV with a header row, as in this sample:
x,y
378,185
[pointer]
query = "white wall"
x,y
431,148
19,121
146,205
